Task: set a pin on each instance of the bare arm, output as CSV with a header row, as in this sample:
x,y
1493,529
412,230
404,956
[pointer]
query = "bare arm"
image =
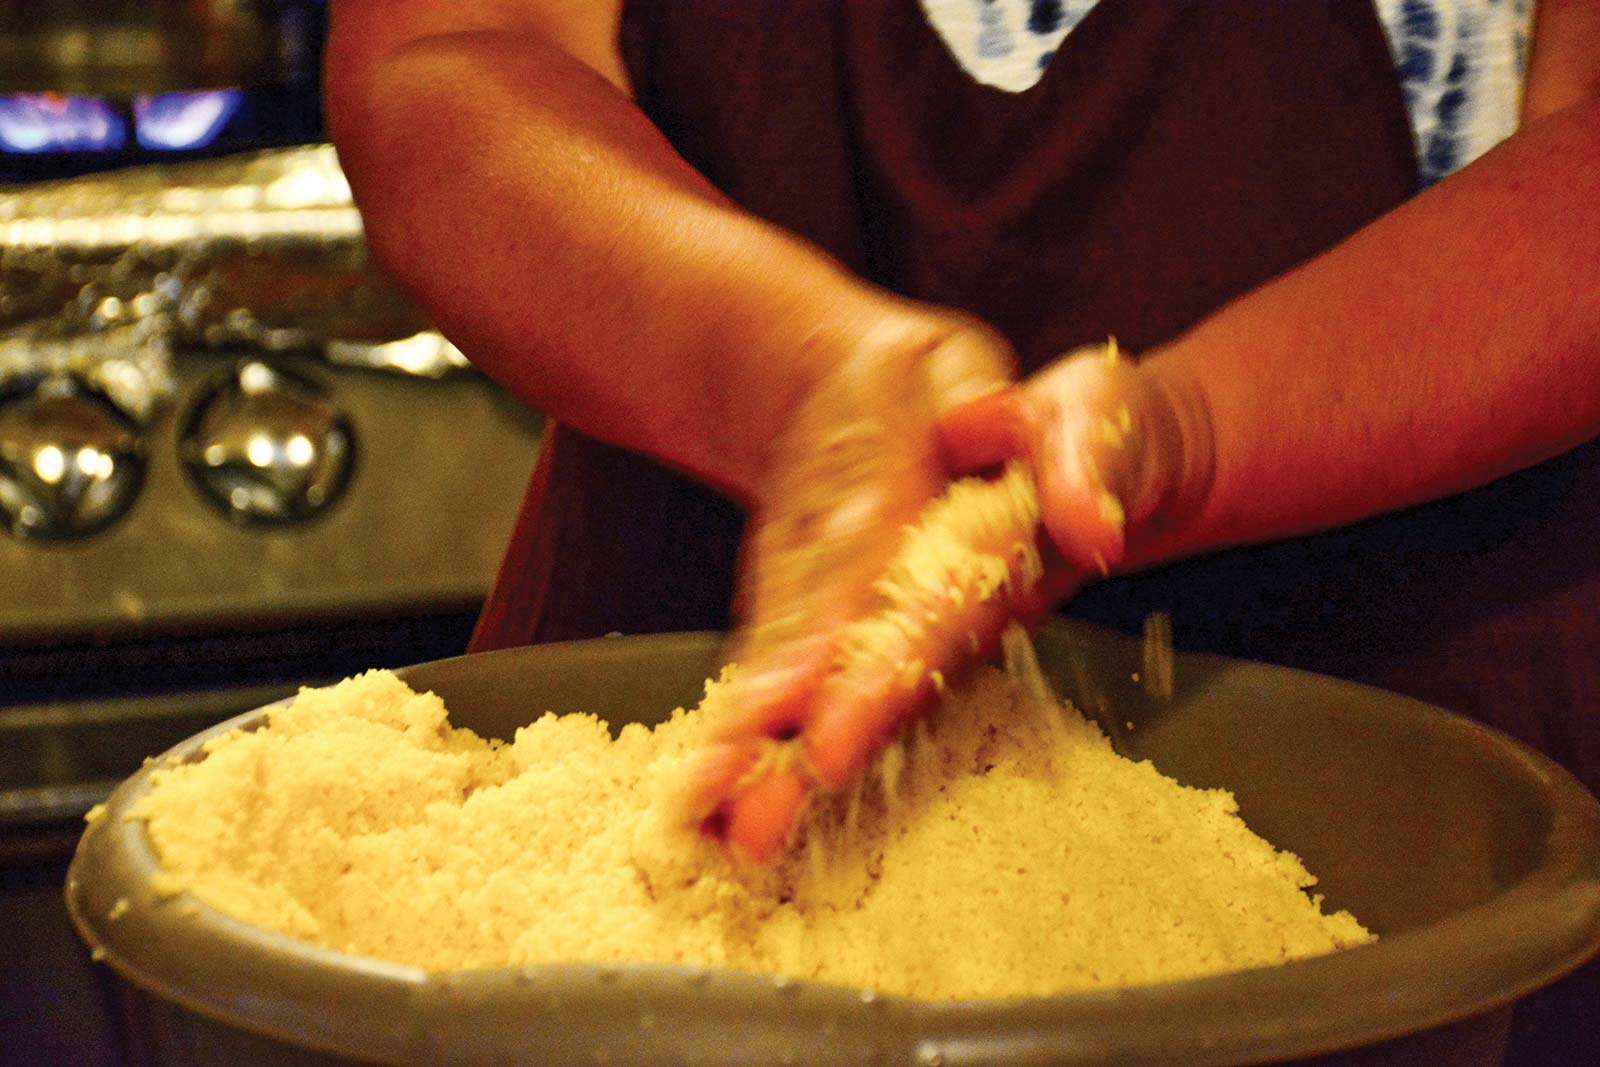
x,y
512,186
1449,342
1452,341
1564,62
510,183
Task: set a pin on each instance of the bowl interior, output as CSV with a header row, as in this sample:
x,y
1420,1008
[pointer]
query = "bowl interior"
x,y
1475,860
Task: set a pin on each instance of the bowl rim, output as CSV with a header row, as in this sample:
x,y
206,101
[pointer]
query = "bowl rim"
x,y
184,951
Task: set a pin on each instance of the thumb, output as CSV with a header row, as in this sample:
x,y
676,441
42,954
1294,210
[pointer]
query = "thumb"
x,y
986,431
980,422
968,364
1089,436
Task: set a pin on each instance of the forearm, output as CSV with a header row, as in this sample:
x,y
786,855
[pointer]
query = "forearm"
x,y
1453,340
552,231
1564,67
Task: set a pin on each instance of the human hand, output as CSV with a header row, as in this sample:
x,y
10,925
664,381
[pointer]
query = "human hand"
x,y
857,461
865,453
1121,457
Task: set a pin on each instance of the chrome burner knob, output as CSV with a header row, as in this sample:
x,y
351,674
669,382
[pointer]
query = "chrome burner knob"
x,y
70,462
267,446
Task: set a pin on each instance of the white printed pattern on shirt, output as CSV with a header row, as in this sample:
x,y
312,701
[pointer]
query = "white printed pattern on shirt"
x,y
1460,62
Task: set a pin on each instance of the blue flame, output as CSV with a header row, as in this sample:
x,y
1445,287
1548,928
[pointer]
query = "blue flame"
x,y
176,121
47,122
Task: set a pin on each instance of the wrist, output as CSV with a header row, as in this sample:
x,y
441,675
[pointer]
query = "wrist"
x,y
1166,512
766,322
861,355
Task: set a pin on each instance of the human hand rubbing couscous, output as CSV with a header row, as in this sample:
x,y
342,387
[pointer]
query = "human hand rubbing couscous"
x,y
656,223
840,672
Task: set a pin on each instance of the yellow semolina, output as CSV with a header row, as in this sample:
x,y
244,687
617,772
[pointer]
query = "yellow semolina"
x,y
1001,848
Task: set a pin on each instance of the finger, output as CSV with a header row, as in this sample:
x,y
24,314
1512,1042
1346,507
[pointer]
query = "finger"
x,y
758,821
899,669
855,718
970,363
713,776
1060,581
1085,449
803,584
773,693
856,463
815,553
853,723
984,432
1084,518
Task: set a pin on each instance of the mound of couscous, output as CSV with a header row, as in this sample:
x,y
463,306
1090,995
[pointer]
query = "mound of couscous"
x,y
1001,849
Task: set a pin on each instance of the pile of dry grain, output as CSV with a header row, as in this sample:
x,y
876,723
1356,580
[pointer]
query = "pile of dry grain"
x,y
1003,849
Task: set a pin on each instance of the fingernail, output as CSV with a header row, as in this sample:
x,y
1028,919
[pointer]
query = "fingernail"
x,y
760,819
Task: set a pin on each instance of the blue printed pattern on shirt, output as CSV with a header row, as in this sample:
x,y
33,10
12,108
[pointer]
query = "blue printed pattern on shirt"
x,y
1461,63
1005,43
1461,67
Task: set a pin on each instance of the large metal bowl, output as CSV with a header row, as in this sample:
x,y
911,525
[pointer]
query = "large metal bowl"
x,y
1476,860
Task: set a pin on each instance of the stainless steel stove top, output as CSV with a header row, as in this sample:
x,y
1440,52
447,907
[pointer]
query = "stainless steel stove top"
x,y
216,415
436,469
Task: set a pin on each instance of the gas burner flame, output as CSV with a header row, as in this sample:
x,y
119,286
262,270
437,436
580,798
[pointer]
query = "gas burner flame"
x,y
31,124
174,122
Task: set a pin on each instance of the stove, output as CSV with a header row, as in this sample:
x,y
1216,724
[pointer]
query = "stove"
x,y
233,459
216,417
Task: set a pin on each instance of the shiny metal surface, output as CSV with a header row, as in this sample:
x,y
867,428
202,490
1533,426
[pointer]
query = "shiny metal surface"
x,y
152,282
120,348
267,446
102,277
122,47
58,759
442,469
70,463
424,355
264,250
296,194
